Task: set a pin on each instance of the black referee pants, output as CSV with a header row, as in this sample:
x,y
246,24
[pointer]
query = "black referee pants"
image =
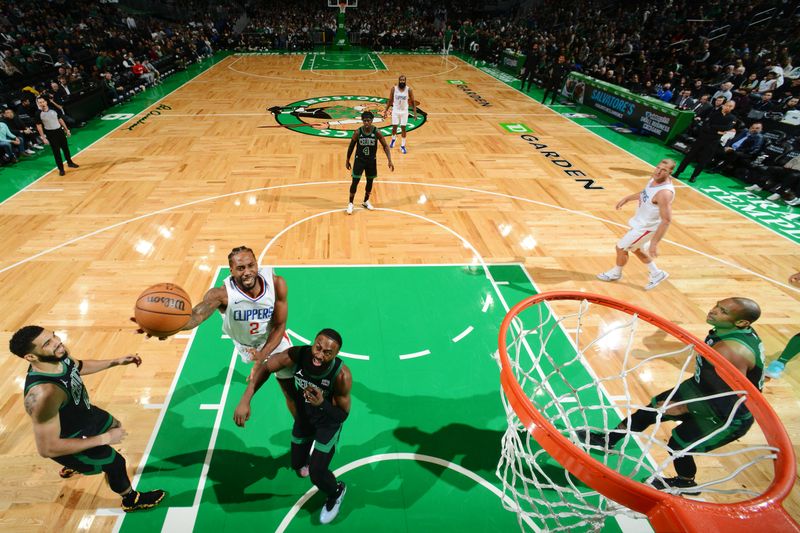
x,y
701,153
58,143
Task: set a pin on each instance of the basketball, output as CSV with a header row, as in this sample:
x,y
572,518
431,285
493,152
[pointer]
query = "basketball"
x,y
163,309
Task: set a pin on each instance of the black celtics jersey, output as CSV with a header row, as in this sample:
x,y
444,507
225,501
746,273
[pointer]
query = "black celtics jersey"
x,y
367,147
304,374
78,417
709,382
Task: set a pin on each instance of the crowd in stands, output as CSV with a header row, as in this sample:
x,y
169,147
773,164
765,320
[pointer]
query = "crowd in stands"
x,y
69,50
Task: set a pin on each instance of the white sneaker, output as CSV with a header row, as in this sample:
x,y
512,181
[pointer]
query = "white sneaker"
x,y
368,205
609,276
350,208
773,196
326,516
655,279
755,187
793,201
28,152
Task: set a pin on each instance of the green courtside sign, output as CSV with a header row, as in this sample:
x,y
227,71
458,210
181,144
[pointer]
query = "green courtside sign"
x,y
337,116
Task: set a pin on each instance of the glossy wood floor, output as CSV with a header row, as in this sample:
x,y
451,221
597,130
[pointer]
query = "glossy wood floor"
x,y
167,200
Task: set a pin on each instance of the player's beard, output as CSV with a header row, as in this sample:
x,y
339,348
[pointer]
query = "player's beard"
x,y
402,86
53,358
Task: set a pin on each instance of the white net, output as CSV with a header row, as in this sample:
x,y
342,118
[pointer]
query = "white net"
x,y
587,367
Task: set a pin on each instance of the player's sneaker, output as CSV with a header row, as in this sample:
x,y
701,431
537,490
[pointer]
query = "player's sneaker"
x,y
331,507
775,369
609,275
676,482
403,149
774,196
655,279
368,205
66,473
350,208
754,188
793,201
138,501
391,144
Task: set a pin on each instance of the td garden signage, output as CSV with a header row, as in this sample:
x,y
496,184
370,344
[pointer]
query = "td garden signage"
x,y
338,116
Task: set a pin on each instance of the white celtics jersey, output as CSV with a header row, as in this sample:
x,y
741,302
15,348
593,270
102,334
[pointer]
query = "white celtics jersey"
x,y
247,320
400,104
647,217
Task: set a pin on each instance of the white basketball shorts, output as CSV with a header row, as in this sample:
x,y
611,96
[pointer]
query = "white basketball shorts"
x,y
635,239
399,118
247,352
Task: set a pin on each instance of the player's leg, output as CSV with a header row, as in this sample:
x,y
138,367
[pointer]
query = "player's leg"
x,y
775,368
403,126
395,124
372,173
624,245
302,440
325,441
358,169
692,155
656,275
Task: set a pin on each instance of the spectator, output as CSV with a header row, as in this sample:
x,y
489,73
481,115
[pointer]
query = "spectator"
x,y
781,181
742,148
19,129
685,100
705,147
724,91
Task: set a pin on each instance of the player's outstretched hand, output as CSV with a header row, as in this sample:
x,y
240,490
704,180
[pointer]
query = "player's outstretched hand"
x,y
241,414
131,358
621,203
140,331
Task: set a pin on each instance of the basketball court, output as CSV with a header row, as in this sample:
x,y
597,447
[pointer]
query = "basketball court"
x,y
476,217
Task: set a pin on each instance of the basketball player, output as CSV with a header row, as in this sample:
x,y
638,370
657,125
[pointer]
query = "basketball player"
x,y
735,339
649,224
322,385
399,97
254,308
367,138
775,368
67,428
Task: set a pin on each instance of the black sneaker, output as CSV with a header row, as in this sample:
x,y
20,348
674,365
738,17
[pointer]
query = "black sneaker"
x,y
138,501
607,441
676,482
73,165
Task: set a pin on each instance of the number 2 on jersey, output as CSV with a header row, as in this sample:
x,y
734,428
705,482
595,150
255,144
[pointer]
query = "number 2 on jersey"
x,y
254,328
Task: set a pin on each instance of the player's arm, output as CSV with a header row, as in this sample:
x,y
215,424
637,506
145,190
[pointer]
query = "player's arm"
x,y
92,366
339,410
275,362
738,354
664,201
280,314
626,199
213,300
386,150
389,102
351,147
41,404
412,101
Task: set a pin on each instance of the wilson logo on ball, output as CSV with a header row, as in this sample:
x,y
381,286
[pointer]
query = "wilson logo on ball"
x,y
173,303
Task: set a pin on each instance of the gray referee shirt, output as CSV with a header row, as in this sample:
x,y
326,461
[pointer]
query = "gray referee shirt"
x,y
49,119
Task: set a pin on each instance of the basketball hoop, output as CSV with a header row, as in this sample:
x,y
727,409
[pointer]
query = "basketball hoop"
x,y
545,411
342,6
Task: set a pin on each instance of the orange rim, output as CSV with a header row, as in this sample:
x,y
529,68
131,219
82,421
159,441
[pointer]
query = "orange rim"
x,y
666,512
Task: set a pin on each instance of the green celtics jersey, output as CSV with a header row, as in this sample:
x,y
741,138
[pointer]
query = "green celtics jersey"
x,y
709,382
367,147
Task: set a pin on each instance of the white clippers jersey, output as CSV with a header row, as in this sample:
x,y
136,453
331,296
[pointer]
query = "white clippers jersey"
x,y
400,104
247,320
647,217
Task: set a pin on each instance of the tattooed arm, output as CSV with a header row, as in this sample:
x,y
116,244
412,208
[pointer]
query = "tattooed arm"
x,y
216,298
42,404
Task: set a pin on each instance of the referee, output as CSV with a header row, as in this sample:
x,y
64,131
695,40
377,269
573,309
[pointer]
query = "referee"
x,y
50,123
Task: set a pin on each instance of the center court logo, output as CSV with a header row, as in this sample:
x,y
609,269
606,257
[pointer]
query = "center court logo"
x,y
338,116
